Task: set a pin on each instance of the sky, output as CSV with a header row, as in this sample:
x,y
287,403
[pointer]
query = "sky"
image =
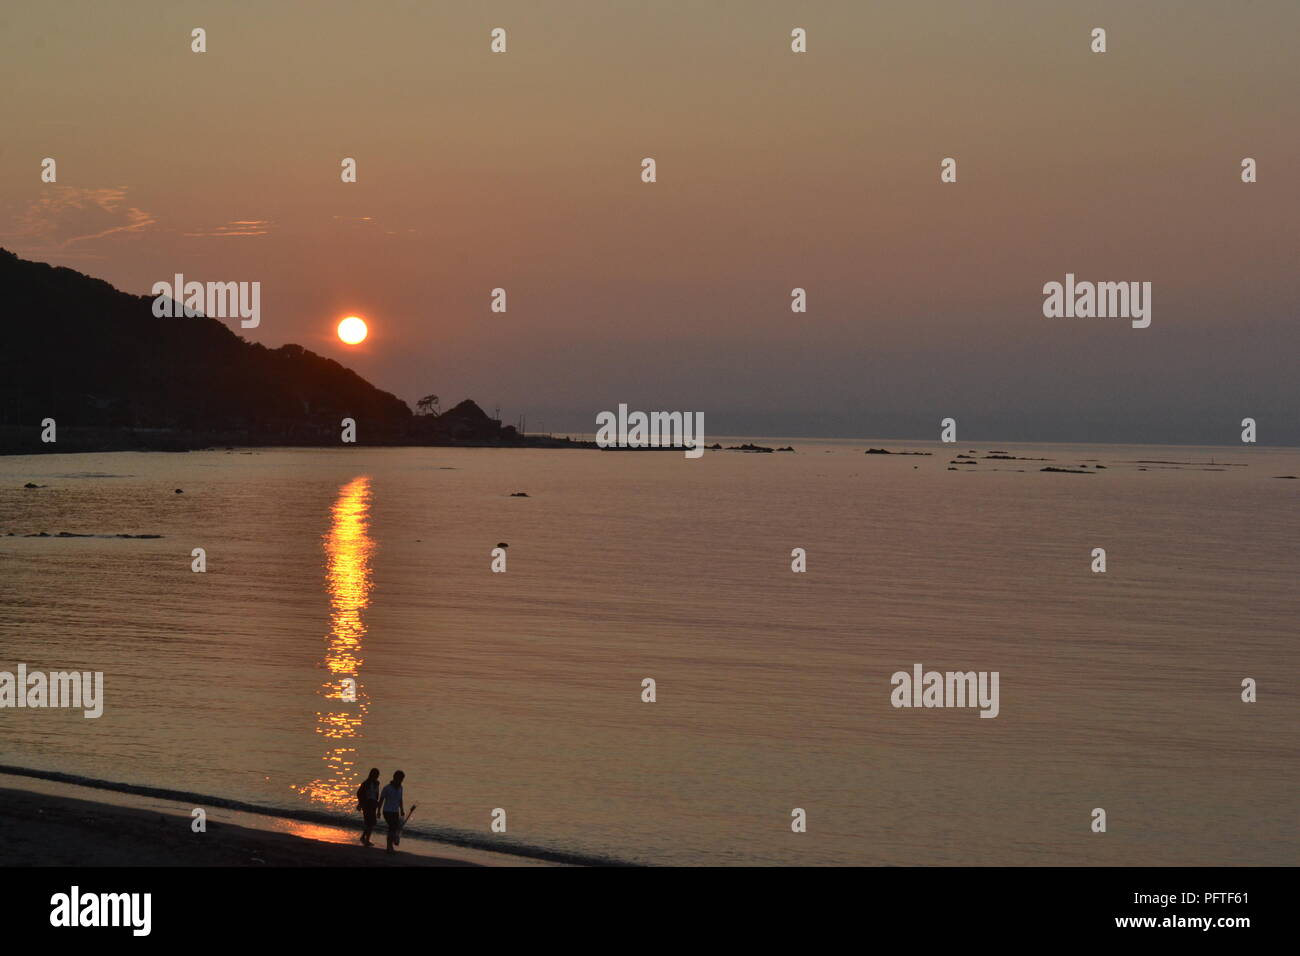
x,y
775,170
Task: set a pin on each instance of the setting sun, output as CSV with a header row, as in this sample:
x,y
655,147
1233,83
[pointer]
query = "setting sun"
x,y
353,330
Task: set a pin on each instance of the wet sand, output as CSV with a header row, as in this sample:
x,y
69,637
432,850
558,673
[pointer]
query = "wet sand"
x,y
41,829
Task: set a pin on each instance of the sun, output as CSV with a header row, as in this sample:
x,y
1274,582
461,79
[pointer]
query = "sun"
x,y
352,330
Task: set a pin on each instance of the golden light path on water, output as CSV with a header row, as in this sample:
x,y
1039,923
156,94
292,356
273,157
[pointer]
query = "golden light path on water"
x,y
347,576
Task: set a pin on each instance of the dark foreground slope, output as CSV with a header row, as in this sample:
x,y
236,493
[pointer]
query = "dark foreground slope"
x,y
92,358
114,376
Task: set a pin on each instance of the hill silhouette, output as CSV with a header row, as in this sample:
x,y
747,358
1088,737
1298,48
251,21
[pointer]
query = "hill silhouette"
x,y
115,376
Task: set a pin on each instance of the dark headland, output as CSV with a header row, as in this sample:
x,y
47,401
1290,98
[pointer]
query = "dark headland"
x,y
115,377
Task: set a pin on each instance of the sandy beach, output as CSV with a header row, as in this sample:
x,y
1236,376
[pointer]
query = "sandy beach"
x,y
41,829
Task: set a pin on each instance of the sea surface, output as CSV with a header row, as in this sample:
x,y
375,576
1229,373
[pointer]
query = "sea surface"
x,y
522,691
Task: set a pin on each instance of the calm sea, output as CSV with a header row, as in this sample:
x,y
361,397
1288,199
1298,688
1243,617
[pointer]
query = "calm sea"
x,y
523,690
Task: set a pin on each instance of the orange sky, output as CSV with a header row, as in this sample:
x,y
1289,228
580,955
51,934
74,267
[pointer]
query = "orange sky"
x,y
776,170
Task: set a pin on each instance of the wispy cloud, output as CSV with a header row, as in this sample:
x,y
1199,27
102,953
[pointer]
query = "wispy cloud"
x,y
65,216
236,228
372,221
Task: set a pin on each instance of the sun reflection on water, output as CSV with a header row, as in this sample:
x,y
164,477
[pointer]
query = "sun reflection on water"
x,y
347,577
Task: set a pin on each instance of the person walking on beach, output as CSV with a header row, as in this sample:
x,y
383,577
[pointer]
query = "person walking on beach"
x,y
368,804
391,802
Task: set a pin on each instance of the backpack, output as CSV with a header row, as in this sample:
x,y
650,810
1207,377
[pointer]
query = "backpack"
x,y
361,795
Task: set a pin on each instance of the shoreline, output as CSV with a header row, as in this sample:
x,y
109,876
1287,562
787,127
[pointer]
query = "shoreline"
x,y
72,446
49,818
41,829
18,440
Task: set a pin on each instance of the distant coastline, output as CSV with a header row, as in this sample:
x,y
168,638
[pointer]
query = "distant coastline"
x,y
26,440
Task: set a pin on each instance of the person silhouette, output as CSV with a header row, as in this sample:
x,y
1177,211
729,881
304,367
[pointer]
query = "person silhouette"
x,y
390,800
368,804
